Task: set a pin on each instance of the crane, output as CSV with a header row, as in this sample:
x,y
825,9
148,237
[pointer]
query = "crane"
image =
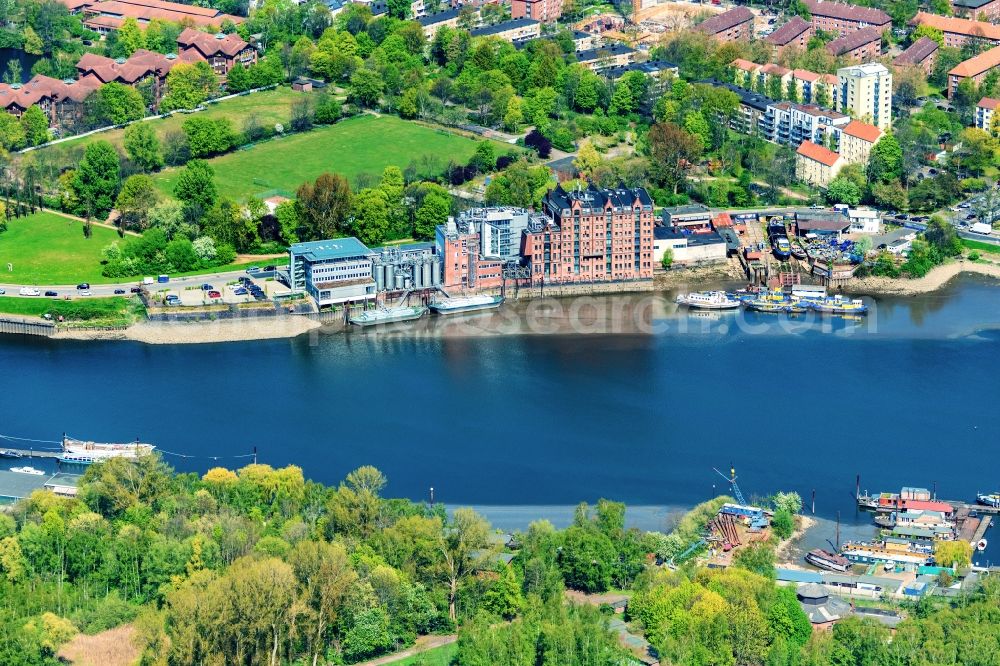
x,y
732,481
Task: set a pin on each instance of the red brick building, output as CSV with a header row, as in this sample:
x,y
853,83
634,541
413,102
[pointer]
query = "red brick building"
x,y
842,18
861,45
142,66
545,11
988,10
221,51
795,32
61,101
921,53
957,31
592,235
732,26
977,69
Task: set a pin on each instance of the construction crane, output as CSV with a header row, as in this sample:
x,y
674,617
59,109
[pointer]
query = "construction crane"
x,y
732,482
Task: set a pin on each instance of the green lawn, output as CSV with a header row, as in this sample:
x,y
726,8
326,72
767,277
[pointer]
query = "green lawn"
x,y
115,311
440,656
981,246
356,145
270,107
50,249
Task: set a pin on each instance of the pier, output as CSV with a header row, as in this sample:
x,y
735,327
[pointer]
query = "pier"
x,y
34,453
26,326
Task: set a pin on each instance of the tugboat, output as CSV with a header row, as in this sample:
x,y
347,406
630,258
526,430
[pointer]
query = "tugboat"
x,y
991,499
778,236
463,304
824,559
388,316
708,300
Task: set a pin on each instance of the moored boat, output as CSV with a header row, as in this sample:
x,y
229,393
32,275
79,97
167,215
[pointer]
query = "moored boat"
x,y
388,315
824,559
462,304
9,453
838,305
708,300
989,499
84,453
27,470
981,546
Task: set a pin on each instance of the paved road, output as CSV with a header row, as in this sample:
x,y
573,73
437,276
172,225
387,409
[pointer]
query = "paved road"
x,y
217,280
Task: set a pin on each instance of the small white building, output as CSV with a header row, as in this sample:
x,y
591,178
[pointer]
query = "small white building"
x,y
688,248
865,221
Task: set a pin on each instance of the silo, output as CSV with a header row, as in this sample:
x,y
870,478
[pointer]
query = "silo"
x,y
425,280
390,278
379,277
435,272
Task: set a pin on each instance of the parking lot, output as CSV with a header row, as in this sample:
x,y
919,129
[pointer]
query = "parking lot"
x,y
235,289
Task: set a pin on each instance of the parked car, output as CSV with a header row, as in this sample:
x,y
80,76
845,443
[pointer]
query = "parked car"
x,y
51,293
270,269
28,291
965,204
118,292
214,294
2,292
85,292
253,269
239,291
970,216
136,290
173,300
816,207
82,286
207,287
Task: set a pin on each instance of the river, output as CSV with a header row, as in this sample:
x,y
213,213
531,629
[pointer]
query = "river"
x,y
619,397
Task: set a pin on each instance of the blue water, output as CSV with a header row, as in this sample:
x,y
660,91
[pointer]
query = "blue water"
x,y
641,414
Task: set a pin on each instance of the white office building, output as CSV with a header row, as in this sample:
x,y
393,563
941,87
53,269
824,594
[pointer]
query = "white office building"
x,y
332,271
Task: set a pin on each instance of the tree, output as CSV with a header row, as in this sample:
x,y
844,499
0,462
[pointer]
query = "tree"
x,y
756,557
188,85
135,201
843,190
33,44
432,212
36,126
97,179
504,596
783,524
925,30
673,152
587,159
325,576
323,207
486,156
399,9
228,223
366,87
12,135
143,147
668,259
129,38
957,554
464,548
117,104
370,212
195,187
885,162
586,558
238,79
208,136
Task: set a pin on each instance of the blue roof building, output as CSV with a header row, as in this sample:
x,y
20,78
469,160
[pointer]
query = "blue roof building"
x,y
332,271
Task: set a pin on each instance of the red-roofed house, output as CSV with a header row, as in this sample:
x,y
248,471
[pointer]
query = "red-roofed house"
x,y
805,84
795,32
817,165
108,15
141,67
976,68
770,72
921,53
986,114
843,18
861,45
62,101
957,31
745,71
221,51
732,26
857,140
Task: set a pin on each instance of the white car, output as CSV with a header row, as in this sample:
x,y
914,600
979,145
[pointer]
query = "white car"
x,y
28,291
85,292
2,292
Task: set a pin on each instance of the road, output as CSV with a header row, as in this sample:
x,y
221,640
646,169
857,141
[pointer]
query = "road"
x,y
217,280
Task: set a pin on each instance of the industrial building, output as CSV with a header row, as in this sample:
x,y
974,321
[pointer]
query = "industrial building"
x,y
333,272
475,247
411,267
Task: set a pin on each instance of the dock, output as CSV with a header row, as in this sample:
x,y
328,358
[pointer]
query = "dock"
x,y
35,453
984,524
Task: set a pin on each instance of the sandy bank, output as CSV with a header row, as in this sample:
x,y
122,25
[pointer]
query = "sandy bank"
x,y
159,333
937,278
802,525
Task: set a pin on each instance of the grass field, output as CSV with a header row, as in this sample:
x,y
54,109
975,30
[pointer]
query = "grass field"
x,y
981,247
50,249
270,107
356,145
440,656
114,311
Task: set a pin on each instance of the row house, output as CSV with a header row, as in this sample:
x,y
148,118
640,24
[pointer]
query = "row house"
x,y
987,10
861,45
736,25
817,165
107,16
807,84
976,69
62,101
842,18
221,51
515,30
605,57
592,235
431,23
986,114
921,53
773,72
745,72
958,31
796,32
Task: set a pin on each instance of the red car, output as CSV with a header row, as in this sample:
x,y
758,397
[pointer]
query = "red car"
x,y
214,294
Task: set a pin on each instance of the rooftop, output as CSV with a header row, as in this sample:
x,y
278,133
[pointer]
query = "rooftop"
x,y
983,62
747,98
805,75
821,220
854,40
603,52
326,250
958,26
847,12
861,130
725,21
868,69
789,31
918,51
686,209
498,28
439,17
209,45
648,67
595,197
988,103
18,486
744,65
772,69
818,153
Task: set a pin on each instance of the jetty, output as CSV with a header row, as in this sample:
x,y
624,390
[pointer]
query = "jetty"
x,y
35,453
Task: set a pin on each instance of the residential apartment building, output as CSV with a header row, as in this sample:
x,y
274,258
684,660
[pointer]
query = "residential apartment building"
x,y
732,26
332,271
107,15
515,30
977,69
745,73
476,246
221,51
604,57
865,92
592,235
545,11
857,140
753,107
860,45
796,32
987,10
817,165
142,67
790,124
62,101
807,85
431,23
986,114
921,53
773,77
957,31
842,18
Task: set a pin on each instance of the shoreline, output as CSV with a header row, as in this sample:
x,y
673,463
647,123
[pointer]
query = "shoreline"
x,y
173,333
937,278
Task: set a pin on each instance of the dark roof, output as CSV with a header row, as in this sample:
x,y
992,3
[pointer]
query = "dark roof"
x,y
595,197
14,485
970,4
580,34
686,209
725,21
439,17
663,232
788,32
747,98
603,52
379,7
648,67
847,12
917,53
821,221
496,29
854,40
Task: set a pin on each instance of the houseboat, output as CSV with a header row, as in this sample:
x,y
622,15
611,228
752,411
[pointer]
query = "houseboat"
x,y
84,453
463,304
388,315
708,300
897,552
824,559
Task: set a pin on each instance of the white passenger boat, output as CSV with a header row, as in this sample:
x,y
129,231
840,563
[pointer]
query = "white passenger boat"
x,y
461,304
85,453
27,470
708,300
